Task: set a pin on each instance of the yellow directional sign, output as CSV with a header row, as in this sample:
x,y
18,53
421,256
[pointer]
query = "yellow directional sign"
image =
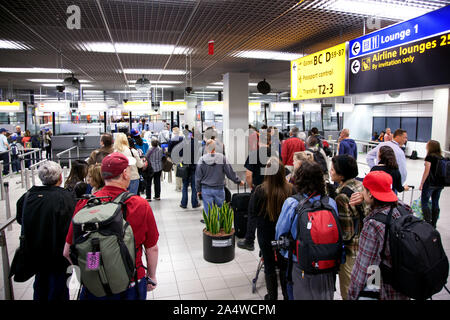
x,y
319,75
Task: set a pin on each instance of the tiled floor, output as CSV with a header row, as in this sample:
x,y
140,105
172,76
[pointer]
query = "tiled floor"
x,y
182,272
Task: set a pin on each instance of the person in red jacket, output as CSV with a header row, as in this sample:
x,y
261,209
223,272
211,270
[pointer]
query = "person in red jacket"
x,y
290,146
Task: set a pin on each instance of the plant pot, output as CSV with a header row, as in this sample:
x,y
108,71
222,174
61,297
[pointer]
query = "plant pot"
x,y
218,248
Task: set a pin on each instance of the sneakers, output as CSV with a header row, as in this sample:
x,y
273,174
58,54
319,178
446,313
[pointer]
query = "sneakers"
x,y
155,198
181,206
196,206
244,244
148,199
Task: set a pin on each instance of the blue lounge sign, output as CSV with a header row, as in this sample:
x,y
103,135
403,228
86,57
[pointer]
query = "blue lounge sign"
x,y
428,25
410,54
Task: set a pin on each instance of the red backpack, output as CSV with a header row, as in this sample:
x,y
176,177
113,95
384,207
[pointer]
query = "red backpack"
x,y
319,246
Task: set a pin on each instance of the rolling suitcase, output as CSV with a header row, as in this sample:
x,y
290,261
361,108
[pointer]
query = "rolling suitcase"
x,y
239,203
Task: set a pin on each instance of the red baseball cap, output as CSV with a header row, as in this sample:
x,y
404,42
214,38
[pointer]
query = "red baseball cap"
x,y
379,183
114,164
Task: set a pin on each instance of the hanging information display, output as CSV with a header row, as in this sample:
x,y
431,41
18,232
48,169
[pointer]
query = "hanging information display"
x,y
319,75
411,54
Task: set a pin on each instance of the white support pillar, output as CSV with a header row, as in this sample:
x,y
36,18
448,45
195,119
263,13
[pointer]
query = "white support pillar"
x,y
440,130
235,118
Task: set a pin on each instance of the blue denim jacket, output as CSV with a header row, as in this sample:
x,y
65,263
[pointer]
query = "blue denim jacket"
x,y
287,222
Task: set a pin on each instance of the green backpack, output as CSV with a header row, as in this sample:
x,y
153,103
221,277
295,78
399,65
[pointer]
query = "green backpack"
x,y
104,246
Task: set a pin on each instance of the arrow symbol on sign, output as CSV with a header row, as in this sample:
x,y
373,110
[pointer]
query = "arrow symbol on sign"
x,y
356,47
355,66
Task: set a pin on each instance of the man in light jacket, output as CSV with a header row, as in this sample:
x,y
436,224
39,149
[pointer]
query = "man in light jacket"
x,y
210,176
400,138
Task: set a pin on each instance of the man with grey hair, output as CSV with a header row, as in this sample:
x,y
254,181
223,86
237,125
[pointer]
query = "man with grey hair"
x,y
290,146
45,213
347,145
210,176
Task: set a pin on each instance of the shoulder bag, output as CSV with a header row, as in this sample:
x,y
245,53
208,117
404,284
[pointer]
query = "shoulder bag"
x,y
22,269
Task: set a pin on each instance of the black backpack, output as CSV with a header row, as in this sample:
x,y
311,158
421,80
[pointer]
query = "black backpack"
x,y
441,176
319,245
320,159
14,149
419,263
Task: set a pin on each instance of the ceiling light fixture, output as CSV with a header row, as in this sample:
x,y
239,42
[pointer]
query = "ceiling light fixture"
x,y
396,10
7,44
53,80
133,48
35,70
159,82
55,84
153,71
142,84
267,55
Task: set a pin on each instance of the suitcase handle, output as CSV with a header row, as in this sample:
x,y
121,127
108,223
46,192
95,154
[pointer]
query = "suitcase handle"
x,y
245,187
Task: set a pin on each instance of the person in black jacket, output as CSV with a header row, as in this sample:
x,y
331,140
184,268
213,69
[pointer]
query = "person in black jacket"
x,y
265,206
387,162
45,213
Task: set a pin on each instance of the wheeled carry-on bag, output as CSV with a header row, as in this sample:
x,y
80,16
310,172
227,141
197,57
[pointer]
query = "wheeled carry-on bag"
x,y
239,203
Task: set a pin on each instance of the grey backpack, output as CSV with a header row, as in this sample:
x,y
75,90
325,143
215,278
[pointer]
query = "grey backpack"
x,y
104,246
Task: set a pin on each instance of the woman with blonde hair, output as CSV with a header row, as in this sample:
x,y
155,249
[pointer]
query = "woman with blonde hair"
x,y
121,145
299,157
95,178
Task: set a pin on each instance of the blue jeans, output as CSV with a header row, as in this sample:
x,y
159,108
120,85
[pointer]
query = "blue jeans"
x,y
51,286
129,294
430,192
184,194
134,186
212,196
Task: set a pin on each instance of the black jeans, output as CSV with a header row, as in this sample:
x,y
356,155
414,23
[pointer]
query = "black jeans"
x,y
156,177
51,286
5,158
251,227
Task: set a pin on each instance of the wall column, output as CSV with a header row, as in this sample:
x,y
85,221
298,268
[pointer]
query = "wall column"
x,y
235,118
440,129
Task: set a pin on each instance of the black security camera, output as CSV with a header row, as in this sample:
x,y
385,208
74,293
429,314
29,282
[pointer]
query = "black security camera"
x,y
60,88
11,100
188,90
125,100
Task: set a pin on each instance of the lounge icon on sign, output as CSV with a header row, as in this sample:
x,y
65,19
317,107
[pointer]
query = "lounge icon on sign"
x,y
366,66
355,66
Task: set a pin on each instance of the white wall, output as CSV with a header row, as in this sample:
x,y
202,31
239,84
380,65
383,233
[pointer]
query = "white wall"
x,y
359,122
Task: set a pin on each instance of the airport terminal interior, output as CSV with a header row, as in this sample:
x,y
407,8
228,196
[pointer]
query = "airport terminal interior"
x,y
72,70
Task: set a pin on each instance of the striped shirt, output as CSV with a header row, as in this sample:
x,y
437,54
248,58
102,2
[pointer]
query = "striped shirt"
x,y
154,158
370,246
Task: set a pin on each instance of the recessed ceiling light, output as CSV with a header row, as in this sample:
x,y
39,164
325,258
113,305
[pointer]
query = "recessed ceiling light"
x,y
159,82
251,84
92,91
134,48
153,71
35,70
397,10
214,87
7,44
53,80
268,55
56,84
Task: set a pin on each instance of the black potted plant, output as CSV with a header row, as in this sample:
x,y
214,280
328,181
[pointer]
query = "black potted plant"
x,y
218,236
